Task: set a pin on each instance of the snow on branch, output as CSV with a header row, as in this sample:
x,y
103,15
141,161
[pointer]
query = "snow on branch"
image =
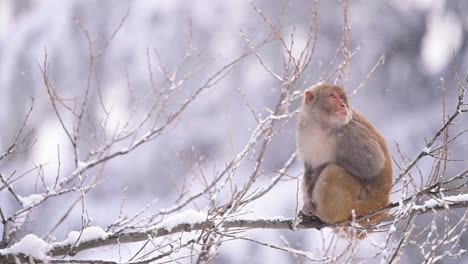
x,y
183,222
31,246
186,221
189,221
88,234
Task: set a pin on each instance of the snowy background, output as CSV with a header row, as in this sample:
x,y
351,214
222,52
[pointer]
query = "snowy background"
x,y
403,97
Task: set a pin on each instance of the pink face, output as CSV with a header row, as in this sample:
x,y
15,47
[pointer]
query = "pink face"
x,y
331,107
338,100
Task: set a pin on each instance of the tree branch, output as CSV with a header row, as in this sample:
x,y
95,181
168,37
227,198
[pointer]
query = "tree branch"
x,y
59,249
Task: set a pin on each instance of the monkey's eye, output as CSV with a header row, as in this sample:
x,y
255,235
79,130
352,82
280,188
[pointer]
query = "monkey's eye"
x,y
332,95
342,97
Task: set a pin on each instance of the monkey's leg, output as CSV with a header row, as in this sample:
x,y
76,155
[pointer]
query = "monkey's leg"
x,y
308,185
337,192
308,182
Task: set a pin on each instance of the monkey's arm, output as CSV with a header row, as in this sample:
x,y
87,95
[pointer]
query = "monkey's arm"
x,y
359,148
308,185
311,176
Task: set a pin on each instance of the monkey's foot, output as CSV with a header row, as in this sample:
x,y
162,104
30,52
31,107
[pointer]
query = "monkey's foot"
x,y
311,220
306,217
308,209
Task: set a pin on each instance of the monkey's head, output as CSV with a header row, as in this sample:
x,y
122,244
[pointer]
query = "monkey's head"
x,y
326,104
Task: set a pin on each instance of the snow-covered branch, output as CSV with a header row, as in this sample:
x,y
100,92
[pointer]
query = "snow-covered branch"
x,y
187,221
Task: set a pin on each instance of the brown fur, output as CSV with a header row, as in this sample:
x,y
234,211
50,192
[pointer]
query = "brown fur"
x,y
347,165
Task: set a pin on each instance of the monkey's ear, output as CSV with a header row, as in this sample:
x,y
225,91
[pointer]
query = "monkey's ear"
x,y
308,96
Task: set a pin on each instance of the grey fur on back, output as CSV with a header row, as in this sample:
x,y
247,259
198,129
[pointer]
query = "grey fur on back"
x,y
361,155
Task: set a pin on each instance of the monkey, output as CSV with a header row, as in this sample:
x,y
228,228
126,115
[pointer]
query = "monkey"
x,y
347,164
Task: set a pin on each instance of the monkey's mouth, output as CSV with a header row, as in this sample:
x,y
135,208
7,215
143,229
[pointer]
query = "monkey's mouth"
x,y
342,117
342,113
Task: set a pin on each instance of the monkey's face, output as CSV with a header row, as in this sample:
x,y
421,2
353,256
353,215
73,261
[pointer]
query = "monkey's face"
x,y
328,105
337,107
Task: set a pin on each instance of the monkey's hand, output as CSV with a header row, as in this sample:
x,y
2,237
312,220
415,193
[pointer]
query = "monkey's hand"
x,y
308,209
310,220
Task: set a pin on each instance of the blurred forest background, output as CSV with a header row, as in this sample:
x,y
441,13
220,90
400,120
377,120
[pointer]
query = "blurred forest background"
x,y
422,42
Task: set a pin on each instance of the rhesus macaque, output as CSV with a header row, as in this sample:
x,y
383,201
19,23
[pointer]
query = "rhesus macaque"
x,y
346,161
